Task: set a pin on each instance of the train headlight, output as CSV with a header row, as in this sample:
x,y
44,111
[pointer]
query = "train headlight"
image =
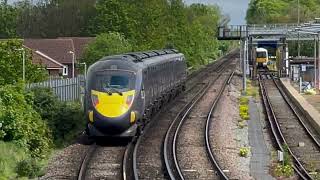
x,y
133,117
95,100
91,116
129,100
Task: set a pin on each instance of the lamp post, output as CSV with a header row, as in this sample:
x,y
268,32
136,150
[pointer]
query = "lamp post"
x,y
85,69
23,63
73,59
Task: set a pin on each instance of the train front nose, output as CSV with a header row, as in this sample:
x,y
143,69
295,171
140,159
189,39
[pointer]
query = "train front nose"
x,y
112,113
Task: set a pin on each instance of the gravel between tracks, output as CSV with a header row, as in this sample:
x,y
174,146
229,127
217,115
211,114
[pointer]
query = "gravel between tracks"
x,y
150,156
65,164
191,149
227,137
106,163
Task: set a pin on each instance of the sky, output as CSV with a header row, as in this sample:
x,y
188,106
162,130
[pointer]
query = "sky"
x,y
236,9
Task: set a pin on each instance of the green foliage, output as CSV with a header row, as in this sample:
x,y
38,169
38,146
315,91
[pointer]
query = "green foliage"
x,y
244,151
284,170
10,155
104,45
281,11
143,25
20,123
28,168
244,100
7,20
157,24
244,109
11,64
65,119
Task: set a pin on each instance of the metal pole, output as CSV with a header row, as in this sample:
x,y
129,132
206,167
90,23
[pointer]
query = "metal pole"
x,y
315,61
72,64
85,70
318,61
23,65
299,47
244,69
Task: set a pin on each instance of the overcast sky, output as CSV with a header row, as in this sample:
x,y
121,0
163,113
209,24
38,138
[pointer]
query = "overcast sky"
x,y
235,8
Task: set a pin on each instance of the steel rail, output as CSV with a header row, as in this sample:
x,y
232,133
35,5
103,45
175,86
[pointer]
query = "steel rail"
x,y
275,127
207,131
221,64
184,113
85,161
285,97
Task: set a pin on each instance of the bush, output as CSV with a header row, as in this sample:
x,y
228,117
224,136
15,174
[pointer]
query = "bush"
x,y
28,168
20,123
244,151
65,119
284,170
10,154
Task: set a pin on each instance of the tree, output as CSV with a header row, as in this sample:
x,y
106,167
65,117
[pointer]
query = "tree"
x,y
106,44
8,16
11,64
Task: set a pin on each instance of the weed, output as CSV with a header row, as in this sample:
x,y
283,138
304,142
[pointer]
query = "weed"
x,y
241,124
244,151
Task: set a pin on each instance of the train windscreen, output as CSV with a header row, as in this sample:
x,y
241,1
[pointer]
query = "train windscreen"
x,y
120,81
261,54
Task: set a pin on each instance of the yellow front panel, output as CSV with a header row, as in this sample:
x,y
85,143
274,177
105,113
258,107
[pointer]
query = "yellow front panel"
x,y
112,105
261,60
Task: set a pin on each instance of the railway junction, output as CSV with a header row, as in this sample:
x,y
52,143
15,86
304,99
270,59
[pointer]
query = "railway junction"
x,y
202,133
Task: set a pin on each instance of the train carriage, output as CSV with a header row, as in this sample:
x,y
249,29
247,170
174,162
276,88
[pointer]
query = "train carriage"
x,y
123,91
262,57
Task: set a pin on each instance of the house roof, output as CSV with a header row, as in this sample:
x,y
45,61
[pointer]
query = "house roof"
x,y
79,44
56,49
46,61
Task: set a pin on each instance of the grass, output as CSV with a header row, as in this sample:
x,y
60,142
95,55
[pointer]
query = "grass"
x,y
17,164
252,90
10,155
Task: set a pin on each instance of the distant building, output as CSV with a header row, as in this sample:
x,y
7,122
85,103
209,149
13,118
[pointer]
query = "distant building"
x,y
54,54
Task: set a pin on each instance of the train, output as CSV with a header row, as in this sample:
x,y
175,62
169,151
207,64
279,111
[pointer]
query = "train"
x,y
262,57
124,91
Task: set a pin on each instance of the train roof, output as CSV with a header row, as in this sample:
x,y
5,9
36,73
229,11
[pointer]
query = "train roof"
x,y
145,58
262,49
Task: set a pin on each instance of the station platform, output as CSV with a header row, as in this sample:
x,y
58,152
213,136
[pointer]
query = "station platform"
x,y
309,104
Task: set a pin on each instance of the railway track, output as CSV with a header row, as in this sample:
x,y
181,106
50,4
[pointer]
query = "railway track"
x,y
289,128
120,161
187,137
147,158
103,161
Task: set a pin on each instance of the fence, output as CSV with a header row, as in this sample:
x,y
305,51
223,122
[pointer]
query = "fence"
x,y
66,89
